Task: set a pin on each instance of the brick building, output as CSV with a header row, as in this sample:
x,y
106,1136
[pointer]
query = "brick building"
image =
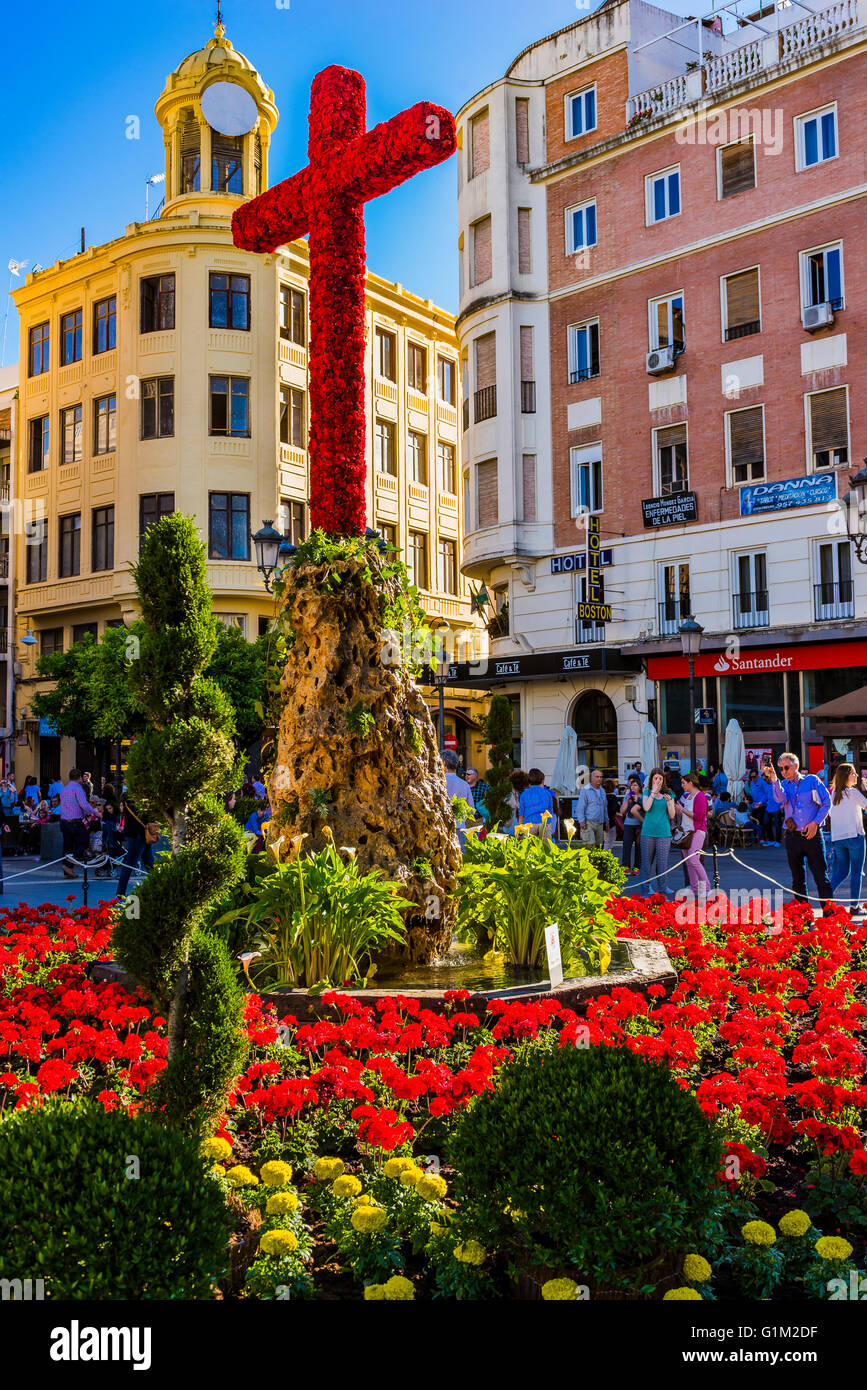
x,y
667,213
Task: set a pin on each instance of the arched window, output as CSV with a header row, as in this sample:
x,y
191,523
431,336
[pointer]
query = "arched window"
x,y
227,163
594,720
191,153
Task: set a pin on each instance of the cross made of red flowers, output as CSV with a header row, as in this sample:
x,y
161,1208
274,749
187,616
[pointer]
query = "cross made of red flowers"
x,y
348,165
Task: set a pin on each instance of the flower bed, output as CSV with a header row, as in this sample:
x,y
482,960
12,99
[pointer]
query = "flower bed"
x,y
765,1027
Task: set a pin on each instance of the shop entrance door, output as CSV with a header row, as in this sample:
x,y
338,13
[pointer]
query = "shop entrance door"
x,y
594,720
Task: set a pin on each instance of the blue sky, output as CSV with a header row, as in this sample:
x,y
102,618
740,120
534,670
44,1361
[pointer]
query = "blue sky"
x,y
74,73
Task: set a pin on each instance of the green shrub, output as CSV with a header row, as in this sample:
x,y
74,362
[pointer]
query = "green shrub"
x,y
587,1160
73,1214
607,866
497,725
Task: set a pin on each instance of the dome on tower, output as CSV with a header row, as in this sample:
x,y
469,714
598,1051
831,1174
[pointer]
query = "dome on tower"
x,y
216,53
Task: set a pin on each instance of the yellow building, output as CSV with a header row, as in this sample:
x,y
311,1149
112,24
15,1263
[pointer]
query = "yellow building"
x,y
168,370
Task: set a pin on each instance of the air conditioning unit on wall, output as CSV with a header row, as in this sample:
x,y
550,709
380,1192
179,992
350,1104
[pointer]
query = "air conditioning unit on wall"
x,y
660,360
631,693
815,316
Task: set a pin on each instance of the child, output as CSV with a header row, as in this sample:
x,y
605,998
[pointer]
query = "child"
x,y
743,819
534,802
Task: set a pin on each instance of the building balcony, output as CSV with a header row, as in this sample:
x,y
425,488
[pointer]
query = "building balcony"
x,y
671,614
585,633
528,398
743,330
4,566
834,601
750,610
485,404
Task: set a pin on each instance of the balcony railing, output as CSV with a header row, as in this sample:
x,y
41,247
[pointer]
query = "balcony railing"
x,y
582,374
485,404
671,615
528,398
465,413
743,330
4,492
834,600
4,566
750,610
589,632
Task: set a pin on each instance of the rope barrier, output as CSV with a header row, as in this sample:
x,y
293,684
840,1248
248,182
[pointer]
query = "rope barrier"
x,y
7,878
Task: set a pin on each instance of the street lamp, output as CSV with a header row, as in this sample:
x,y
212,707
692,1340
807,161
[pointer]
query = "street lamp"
x,y
854,505
690,641
267,542
440,678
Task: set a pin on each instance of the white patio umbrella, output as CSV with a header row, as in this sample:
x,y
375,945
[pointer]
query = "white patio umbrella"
x,y
564,776
734,759
649,748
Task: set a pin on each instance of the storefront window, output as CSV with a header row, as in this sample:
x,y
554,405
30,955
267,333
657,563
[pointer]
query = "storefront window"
x,y
828,684
674,706
755,701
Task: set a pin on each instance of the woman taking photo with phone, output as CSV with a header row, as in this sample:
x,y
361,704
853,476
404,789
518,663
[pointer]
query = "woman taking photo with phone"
x,y
847,832
658,807
632,812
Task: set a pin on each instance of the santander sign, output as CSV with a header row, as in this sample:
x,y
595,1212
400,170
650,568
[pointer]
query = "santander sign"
x,y
736,665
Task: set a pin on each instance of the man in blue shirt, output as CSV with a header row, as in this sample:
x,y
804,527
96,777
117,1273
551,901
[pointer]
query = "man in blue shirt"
x,y
591,810
534,801
805,804
720,782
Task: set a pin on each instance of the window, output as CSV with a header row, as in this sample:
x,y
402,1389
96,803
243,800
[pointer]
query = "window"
x,y
229,301
737,168
482,266
69,550
448,558
528,487
71,435
417,365
525,263
580,227
662,195
671,459
486,377
745,431
417,450
230,406
674,597
227,153
38,444
386,355
446,375
750,598
36,545
153,506
158,407
816,137
741,304
446,470
293,315
385,447
585,472
228,526
105,425
417,565
479,152
50,641
292,416
191,155
828,428
580,112
583,345
822,276
467,500
388,533
834,593
522,130
104,325
102,539
487,488
40,343
666,322
293,521
157,303
81,631
71,337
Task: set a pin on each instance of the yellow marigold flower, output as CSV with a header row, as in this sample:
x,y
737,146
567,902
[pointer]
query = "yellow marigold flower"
x,y
278,1243
217,1149
240,1176
795,1223
437,1230
327,1169
364,1199
346,1186
833,1248
282,1203
431,1187
682,1296
759,1233
374,1293
217,1170
368,1220
410,1176
398,1289
276,1174
696,1269
470,1253
559,1290
394,1166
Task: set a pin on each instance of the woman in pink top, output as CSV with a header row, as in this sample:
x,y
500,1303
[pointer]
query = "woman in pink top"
x,y
694,807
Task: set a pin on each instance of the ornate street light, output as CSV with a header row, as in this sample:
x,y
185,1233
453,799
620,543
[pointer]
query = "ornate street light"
x,y
854,507
267,542
690,633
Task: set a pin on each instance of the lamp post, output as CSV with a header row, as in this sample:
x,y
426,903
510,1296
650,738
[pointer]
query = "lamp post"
x,y
440,677
266,543
690,640
854,505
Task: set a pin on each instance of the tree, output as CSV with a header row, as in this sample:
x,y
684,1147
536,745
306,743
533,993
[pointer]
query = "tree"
x,y
183,759
497,725
238,667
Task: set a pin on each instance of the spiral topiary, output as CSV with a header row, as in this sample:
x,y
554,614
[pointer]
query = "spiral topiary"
x,y
176,768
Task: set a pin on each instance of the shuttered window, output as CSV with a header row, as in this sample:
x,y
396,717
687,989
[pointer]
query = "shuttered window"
x,y
829,428
482,265
737,165
486,493
671,460
527,370
480,144
528,486
190,154
524,254
486,361
743,311
747,444
522,130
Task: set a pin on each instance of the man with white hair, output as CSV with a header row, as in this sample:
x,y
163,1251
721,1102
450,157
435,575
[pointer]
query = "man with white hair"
x,y
805,802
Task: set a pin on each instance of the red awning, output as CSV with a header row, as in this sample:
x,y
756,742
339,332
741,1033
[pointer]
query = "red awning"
x,y
812,656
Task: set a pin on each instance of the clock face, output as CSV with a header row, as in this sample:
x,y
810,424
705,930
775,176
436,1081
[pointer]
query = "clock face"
x,y
228,108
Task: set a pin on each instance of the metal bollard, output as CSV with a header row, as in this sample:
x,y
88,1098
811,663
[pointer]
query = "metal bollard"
x,y
715,867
